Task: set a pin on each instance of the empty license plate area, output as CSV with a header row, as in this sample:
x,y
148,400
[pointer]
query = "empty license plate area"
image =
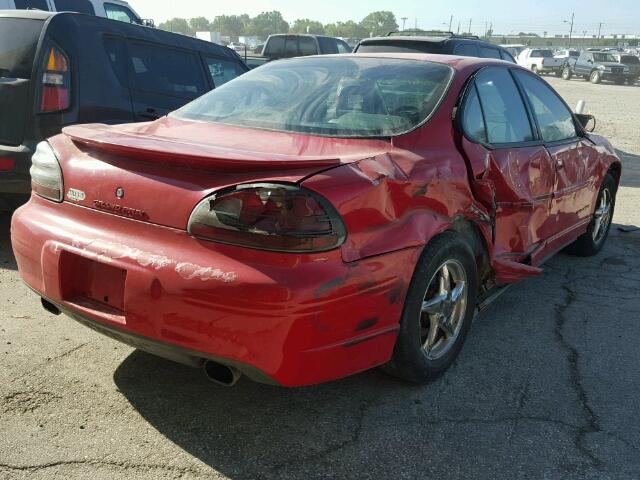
x,y
92,284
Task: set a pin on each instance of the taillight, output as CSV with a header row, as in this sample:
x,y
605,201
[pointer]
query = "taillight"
x,y
56,82
46,174
269,217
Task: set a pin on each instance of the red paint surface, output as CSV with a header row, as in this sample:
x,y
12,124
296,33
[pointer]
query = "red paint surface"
x,y
298,318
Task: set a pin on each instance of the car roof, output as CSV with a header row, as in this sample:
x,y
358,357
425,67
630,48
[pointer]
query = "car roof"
x,y
454,61
427,39
31,14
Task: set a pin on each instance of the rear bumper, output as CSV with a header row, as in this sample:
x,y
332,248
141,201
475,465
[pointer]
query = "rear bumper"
x,y
284,318
17,180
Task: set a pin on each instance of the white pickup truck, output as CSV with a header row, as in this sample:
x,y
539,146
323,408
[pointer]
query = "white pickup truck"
x,y
540,61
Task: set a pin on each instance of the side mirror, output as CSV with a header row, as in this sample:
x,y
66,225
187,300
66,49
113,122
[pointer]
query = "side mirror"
x,y
587,121
147,22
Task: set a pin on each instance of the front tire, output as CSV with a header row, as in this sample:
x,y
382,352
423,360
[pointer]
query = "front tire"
x,y
592,241
438,311
566,73
595,77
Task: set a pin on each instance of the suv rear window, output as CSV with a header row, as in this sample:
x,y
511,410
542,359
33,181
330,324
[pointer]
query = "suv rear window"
x,y
32,5
396,46
18,42
165,70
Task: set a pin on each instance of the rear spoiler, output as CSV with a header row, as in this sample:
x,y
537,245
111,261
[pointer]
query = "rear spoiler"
x,y
147,148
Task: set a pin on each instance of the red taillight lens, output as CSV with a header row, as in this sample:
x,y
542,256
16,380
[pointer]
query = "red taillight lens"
x,y
56,82
269,217
7,164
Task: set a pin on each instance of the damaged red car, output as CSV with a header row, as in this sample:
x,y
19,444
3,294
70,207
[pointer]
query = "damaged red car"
x,y
316,217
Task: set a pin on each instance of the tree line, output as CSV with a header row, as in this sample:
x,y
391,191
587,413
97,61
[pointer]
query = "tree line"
x,y
267,23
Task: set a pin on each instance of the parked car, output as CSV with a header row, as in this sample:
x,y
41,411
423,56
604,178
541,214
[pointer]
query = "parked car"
x,y
632,62
112,9
442,43
596,67
289,45
66,68
540,61
316,217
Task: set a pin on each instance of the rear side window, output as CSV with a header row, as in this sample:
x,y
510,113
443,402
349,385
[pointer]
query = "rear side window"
x,y
333,45
164,70
554,118
307,46
630,60
466,50
116,50
32,5
488,52
507,56
400,47
18,42
79,6
472,120
222,71
120,13
504,112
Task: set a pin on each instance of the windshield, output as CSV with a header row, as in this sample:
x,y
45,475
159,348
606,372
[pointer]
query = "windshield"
x,y
604,57
18,42
342,97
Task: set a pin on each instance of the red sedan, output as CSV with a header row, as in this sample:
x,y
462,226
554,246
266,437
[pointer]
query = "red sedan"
x,y
316,217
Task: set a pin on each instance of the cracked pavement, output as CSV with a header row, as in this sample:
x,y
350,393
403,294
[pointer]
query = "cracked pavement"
x,y
546,387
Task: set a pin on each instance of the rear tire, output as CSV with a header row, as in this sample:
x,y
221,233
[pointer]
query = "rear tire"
x,y
534,68
438,311
592,241
566,73
595,77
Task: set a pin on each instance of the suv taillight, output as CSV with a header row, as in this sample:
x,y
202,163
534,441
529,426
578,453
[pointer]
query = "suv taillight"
x,y
56,82
267,216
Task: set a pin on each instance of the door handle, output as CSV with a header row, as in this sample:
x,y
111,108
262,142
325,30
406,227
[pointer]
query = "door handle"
x,y
559,164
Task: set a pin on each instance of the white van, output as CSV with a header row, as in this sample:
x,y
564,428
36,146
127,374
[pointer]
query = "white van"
x,y
113,9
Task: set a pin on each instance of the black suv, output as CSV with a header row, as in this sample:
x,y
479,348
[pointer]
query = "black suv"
x,y
442,43
58,69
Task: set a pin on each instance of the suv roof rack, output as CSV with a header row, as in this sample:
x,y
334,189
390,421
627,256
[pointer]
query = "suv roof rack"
x,y
430,33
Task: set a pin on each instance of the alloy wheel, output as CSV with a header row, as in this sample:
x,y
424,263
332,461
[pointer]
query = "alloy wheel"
x,y
602,216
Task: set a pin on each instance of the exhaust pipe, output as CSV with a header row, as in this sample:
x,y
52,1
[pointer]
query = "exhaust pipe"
x,y
221,374
50,307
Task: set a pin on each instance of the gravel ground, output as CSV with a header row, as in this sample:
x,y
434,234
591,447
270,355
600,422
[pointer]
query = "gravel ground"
x,y
546,387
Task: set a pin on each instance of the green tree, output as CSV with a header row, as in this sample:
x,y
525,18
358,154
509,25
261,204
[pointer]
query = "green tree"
x,y
231,25
267,23
176,25
348,29
199,24
304,25
379,23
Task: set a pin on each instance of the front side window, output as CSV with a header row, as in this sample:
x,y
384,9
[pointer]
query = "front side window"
x,y
504,111
554,118
166,71
120,13
604,57
222,70
78,6
340,97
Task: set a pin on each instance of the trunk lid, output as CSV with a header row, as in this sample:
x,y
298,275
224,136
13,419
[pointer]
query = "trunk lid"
x,y
158,172
18,44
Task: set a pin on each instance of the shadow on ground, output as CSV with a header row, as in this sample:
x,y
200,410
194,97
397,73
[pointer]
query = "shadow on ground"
x,y
630,169
517,400
7,259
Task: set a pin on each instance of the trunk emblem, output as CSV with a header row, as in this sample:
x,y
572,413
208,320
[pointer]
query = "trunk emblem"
x,y
120,192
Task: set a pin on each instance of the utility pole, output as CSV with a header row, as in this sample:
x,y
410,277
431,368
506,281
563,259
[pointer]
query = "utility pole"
x,y
404,19
486,25
458,32
571,30
599,29
450,22
470,26
416,26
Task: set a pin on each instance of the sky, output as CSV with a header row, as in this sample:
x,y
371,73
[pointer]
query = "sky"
x,y
617,16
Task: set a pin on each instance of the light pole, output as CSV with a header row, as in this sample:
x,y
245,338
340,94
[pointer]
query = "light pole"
x,y
450,22
404,20
571,29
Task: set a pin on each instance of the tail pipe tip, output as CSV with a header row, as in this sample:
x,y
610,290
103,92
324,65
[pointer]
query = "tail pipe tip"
x,y
221,374
50,307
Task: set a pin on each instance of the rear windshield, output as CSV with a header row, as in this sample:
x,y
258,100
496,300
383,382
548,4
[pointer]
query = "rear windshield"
x,y
541,54
630,60
18,42
341,97
395,46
